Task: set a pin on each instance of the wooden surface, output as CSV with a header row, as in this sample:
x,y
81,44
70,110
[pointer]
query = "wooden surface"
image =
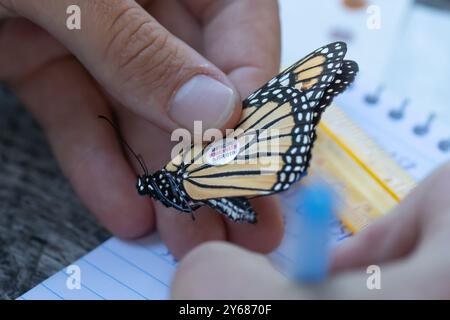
x,y
43,226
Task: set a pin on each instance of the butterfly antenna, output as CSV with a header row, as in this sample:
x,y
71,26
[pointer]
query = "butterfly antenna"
x,y
124,142
143,164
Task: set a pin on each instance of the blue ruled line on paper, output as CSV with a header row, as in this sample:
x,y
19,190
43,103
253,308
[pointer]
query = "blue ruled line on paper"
x,y
134,265
141,269
43,285
58,284
115,270
115,279
40,292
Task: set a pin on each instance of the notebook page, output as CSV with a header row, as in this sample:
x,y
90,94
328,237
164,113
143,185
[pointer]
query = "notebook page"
x,y
419,140
144,269
116,269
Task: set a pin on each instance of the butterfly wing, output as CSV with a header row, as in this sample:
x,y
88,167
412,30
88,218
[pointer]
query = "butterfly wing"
x,y
319,66
344,78
274,143
237,209
283,113
260,169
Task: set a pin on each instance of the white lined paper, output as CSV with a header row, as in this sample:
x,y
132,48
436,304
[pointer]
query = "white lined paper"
x,y
115,270
143,269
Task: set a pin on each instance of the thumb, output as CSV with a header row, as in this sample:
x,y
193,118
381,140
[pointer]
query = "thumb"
x,y
138,61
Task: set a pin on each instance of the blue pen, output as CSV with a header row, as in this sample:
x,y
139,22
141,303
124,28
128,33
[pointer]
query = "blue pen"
x,y
315,213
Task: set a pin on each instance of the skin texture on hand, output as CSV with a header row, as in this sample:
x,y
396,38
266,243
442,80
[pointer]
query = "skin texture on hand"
x,y
410,245
130,60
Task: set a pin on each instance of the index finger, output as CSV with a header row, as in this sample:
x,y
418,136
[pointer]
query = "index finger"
x,y
242,38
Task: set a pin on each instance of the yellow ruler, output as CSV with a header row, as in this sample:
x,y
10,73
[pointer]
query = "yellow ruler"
x,y
370,182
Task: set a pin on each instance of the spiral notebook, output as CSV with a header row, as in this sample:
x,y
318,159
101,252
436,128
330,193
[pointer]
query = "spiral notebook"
x,y
411,128
418,139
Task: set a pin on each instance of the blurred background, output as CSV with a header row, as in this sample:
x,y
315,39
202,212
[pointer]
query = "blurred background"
x,y
402,95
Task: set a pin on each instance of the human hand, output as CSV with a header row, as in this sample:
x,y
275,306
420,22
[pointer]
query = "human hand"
x,y
410,245
136,60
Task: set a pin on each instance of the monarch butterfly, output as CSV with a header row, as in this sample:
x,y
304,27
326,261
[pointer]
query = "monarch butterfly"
x,y
284,112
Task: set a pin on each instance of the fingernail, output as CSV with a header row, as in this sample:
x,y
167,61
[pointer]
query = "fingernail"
x,y
204,99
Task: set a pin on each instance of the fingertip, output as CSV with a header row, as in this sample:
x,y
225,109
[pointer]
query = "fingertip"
x,y
219,270
182,232
129,231
235,113
211,99
87,150
210,264
105,183
264,236
250,78
196,267
135,224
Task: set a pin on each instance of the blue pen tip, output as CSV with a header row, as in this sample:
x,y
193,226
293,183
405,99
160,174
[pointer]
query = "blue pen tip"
x,y
315,211
317,202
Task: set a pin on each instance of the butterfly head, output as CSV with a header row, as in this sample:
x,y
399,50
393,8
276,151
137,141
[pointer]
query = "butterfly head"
x,y
145,185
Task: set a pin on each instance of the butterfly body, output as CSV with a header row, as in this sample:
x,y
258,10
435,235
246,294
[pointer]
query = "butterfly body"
x,y
166,187
269,150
